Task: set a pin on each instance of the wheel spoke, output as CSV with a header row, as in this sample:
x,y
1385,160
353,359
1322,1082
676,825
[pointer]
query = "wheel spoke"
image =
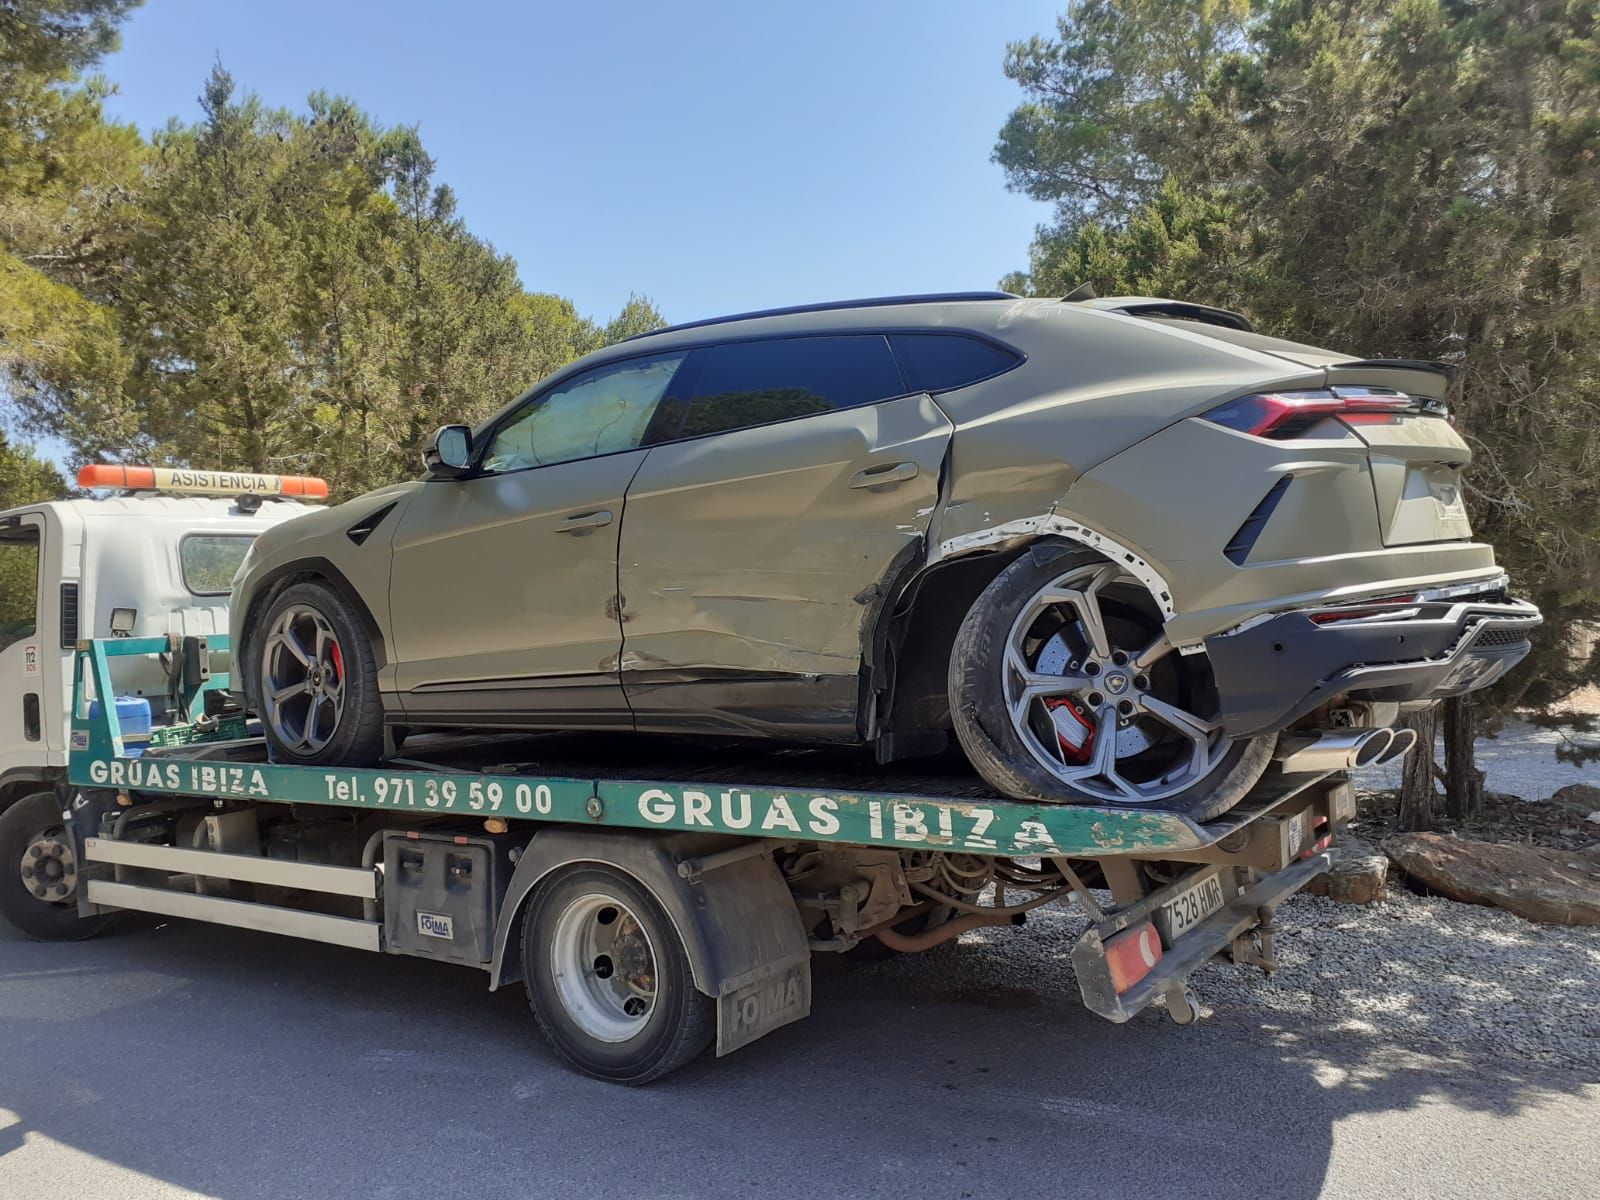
x,y
1196,729
286,639
1152,654
279,695
1105,753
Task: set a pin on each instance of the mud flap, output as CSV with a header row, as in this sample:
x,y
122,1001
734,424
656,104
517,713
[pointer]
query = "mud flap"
x,y
738,922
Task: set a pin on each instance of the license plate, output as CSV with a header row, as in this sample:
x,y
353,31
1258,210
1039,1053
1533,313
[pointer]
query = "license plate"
x,y
1189,907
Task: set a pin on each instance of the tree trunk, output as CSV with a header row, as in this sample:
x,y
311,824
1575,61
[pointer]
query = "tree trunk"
x,y
1463,781
1419,802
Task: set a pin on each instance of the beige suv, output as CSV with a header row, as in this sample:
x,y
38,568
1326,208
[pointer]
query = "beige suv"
x,y
1116,547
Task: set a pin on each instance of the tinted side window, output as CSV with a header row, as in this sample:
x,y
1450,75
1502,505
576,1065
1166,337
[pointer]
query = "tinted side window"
x,y
603,412
753,383
939,362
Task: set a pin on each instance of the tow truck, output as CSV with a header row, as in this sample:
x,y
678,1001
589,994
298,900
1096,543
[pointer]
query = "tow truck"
x,y
147,552
653,898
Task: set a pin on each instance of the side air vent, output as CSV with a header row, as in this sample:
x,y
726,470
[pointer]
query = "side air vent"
x,y
362,530
1244,540
69,615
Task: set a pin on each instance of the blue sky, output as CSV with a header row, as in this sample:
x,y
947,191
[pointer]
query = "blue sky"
x,y
715,156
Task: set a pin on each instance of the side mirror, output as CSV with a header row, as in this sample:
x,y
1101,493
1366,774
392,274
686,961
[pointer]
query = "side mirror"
x,y
449,451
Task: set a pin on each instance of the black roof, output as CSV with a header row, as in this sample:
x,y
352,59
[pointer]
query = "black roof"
x,y
872,302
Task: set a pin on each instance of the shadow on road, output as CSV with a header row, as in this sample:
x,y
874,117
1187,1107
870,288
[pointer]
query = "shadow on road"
x,y
251,1067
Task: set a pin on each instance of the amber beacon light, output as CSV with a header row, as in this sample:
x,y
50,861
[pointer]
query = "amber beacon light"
x,y
201,483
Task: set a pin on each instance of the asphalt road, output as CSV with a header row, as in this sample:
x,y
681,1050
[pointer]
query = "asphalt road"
x,y
173,1060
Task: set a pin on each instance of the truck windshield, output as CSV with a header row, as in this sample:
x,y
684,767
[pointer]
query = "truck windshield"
x,y
210,560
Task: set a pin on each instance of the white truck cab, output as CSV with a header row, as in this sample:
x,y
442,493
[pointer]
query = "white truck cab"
x,y
153,553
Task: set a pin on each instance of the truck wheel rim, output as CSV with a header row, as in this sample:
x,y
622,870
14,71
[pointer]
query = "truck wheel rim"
x,y
1087,654
303,680
604,967
48,868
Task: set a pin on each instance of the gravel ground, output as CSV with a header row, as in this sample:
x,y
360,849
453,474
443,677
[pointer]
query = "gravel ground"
x,y
1423,973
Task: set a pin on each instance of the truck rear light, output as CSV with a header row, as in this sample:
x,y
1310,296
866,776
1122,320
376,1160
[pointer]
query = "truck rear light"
x,y
1132,954
1281,415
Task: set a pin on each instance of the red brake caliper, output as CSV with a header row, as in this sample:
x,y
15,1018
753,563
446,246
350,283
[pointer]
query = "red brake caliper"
x,y
1074,730
338,662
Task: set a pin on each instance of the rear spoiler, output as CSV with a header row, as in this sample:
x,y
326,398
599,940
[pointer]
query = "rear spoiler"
x,y
1432,365
1418,376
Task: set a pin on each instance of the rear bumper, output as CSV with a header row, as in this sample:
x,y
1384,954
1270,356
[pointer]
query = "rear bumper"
x,y
1272,672
1213,936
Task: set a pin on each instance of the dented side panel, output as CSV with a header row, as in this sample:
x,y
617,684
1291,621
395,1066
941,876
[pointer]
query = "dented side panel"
x,y
760,550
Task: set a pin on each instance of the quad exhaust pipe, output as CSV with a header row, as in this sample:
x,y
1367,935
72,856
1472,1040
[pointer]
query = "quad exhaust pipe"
x,y
1340,750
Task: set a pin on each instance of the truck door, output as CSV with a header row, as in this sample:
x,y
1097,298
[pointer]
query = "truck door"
x,y
26,730
503,589
802,468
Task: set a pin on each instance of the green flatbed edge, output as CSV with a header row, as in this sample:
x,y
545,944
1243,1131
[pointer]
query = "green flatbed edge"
x,y
999,827
990,826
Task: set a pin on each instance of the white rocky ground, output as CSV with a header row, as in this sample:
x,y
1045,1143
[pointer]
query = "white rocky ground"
x,y
1519,761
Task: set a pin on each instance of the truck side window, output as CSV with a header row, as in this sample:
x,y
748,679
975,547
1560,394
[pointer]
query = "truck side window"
x,y
209,561
19,584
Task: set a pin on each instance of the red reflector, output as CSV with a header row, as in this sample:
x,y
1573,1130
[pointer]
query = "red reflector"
x,y
1370,608
1132,954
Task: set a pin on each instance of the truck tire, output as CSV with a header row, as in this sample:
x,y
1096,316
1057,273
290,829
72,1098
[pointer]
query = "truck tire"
x,y
608,978
31,842
315,680
1132,724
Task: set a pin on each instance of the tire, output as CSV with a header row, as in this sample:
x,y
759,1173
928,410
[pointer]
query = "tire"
x,y
678,1023
1199,772
330,649
42,920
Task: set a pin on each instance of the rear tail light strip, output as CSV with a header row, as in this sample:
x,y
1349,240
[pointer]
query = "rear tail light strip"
x,y
1281,415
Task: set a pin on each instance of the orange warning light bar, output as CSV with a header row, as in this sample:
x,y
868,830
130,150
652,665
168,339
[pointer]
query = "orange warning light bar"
x,y
201,483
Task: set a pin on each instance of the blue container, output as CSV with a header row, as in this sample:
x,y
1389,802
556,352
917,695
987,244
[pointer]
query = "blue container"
x,y
133,719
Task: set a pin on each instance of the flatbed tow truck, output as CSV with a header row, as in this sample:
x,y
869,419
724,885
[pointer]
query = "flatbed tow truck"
x,y
653,897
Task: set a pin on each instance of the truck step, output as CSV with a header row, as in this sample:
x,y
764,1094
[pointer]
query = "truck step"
x,y
246,868
267,918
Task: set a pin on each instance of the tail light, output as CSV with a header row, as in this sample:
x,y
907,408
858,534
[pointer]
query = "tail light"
x,y
1281,415
1132,954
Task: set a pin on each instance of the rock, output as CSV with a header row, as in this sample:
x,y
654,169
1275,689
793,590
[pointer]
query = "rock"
x,y
1535,883
1358,874
1582,798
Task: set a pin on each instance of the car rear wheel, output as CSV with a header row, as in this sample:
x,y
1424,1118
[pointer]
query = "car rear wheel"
x,y
316,680
1064,689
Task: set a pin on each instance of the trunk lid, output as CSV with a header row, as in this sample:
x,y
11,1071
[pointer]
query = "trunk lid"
x,y
1416,463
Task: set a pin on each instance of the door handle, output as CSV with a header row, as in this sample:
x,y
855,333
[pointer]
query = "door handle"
x,y
585,523
876,477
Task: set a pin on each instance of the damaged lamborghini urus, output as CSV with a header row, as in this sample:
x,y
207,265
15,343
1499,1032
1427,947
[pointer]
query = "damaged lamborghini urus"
x,y
1126,551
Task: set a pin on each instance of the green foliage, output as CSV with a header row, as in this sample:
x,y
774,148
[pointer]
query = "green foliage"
x,y
25,478
262,289
1401,179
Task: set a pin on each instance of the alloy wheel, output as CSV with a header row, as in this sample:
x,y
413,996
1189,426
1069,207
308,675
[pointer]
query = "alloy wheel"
x,y
303,680
1099,697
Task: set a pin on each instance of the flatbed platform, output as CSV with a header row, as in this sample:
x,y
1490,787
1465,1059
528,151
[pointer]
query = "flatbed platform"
x,y
642,782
